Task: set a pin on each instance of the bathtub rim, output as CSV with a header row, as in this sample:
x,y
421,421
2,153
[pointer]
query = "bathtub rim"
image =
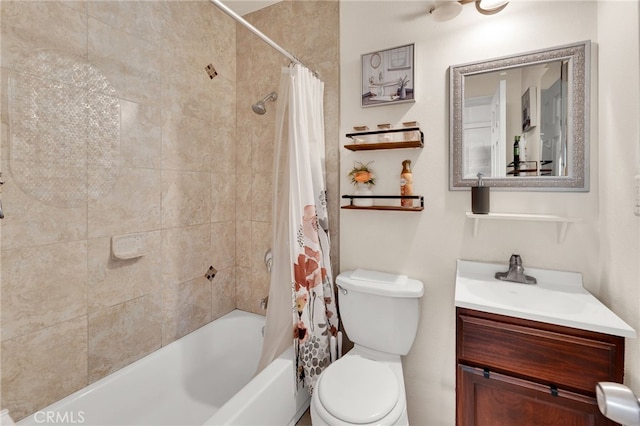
x,y
60,404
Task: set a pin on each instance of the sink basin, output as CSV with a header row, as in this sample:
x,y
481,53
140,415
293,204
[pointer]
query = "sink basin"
x,y
529,297
558,298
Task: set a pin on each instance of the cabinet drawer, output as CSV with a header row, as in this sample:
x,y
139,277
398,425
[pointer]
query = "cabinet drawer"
x,y
548,354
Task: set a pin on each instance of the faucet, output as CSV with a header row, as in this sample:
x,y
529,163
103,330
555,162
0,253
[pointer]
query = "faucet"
x,y
264,302
515,272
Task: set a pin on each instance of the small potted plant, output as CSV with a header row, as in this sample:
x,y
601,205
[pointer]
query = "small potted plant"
x,y
402,90
362,177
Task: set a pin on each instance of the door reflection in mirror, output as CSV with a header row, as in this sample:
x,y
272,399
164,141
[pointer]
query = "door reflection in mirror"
x,y
503,104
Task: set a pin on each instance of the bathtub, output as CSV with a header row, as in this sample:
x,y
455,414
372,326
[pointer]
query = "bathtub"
x,y
206,377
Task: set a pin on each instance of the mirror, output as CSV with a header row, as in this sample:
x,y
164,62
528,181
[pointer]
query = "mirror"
x,y
540,98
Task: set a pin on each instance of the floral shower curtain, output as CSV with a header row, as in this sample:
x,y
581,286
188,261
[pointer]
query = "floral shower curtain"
x,y
301,280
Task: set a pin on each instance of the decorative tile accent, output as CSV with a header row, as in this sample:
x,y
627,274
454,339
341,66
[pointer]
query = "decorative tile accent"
x,y
211,273
211,71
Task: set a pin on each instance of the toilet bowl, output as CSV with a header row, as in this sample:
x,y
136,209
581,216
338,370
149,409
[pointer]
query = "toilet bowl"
x,y
360,390
380,313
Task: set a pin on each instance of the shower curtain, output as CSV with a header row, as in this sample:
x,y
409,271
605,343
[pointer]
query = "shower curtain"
x,y
301,294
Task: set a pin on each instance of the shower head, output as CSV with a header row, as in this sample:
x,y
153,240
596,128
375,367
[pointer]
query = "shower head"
x,y
259,107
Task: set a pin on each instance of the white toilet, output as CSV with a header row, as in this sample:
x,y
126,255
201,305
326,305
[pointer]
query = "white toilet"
x,y
380,313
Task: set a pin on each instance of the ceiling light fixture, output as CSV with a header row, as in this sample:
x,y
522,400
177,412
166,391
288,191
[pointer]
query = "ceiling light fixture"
x,y
448,10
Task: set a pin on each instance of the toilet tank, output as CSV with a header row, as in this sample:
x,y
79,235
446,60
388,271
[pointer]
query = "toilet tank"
x,y
379,310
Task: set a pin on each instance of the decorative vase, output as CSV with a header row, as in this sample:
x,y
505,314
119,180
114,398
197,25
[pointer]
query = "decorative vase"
x,y
403,92
363,189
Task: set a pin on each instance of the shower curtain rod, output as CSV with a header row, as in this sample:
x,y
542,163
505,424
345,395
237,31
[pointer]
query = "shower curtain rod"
x,y
258,33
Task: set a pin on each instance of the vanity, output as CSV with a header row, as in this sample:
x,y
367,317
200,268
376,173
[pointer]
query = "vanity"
x,y
532,354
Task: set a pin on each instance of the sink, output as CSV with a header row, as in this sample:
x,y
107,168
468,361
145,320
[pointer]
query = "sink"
x,y
558,298
529,297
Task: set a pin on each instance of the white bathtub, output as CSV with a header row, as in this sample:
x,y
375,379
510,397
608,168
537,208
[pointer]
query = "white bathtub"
x,y
203,378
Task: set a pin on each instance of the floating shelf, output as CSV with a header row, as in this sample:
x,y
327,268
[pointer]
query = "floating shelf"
x,y
366,146
387,197
562,221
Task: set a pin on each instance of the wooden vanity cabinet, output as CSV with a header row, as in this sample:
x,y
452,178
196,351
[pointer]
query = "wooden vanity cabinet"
x,y
512,371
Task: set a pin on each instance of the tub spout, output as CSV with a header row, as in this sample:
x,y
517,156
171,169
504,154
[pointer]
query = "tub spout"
x,y
515,272
264,302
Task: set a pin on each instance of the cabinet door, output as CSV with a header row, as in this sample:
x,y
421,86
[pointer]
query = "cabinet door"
x,y
501,400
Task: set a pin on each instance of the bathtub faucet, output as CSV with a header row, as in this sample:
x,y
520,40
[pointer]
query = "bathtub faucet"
x,y
264,302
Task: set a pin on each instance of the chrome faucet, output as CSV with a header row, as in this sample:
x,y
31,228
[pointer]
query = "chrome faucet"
x,y
264,302
515,272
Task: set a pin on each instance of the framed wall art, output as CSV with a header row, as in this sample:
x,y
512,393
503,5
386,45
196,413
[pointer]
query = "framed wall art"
x,y
388,76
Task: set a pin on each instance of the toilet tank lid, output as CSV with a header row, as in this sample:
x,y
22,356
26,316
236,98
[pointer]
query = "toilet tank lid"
x,y
380,283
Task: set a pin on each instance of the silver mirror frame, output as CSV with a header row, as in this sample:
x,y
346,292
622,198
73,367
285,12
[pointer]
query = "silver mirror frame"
x,y
578,132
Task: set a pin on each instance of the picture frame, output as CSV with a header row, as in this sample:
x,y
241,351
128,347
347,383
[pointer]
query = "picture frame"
x,y
529,109
388,76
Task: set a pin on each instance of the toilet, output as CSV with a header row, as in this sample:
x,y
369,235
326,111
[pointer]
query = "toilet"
x,y
379,313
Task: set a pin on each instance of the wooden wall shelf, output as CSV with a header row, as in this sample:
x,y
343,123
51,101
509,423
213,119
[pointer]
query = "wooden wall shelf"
x,y
412,142
386,197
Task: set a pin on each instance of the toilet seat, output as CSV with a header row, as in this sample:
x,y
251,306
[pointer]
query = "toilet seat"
x,y
358,390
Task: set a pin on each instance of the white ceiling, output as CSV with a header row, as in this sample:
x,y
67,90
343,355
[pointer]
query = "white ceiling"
x,y
242,7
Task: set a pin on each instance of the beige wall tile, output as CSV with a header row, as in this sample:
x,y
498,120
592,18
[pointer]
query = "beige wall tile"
x,y
132,206
223,197
190,28
142,19
186,307
27,26
243,243
263,146
253,285
131,64
186,253
223,244
114,281
186,198
140,135
223,106
244,284
261,239
41,286
186,86
122,334
223,292
79,5
223,137
261,197
41,367
29,222
186,143
223,42
244,146
243,196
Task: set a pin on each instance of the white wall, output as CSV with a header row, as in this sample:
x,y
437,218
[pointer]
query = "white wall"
x,y
603,247
619,161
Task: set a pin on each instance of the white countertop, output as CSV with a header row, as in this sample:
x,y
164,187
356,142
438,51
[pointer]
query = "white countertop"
x,y
558,298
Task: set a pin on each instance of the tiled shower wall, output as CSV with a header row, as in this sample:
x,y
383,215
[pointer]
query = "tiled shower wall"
x,y
185,177
309,30
159,135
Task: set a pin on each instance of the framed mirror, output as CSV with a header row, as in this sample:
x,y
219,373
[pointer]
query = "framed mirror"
x,y
539,99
